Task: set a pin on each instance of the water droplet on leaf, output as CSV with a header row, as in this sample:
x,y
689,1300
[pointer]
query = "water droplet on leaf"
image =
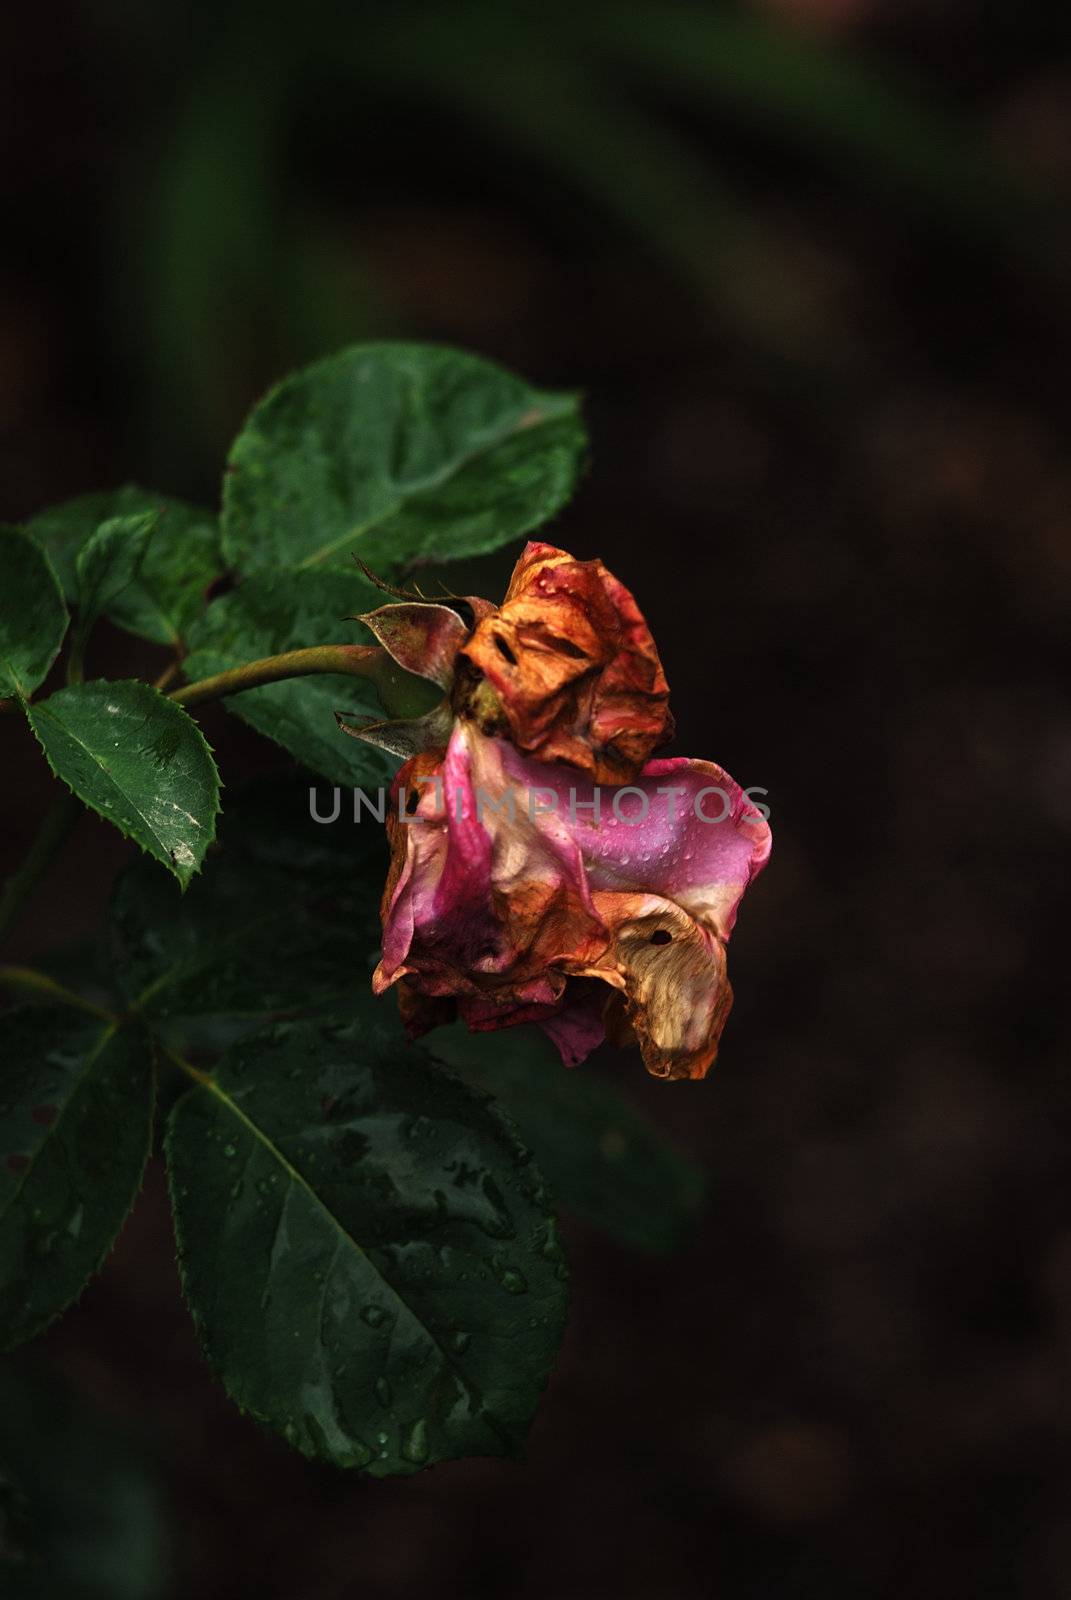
x,y
415,1443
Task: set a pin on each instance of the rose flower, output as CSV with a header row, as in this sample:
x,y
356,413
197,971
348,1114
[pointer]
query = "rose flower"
x,y
544,868
567,669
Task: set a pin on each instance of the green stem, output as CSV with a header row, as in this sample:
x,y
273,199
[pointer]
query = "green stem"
x,y
28,981
76,658
54,830
183,1065
358,660
168,676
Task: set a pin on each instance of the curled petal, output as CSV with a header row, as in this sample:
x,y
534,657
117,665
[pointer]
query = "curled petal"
x,y
684,830
522,892
567,669
474,909
673,991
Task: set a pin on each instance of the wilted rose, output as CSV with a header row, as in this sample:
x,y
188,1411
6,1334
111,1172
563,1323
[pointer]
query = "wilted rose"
x,y
549,870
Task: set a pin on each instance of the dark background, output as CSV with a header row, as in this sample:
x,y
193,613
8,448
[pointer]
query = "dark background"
x,y
808,259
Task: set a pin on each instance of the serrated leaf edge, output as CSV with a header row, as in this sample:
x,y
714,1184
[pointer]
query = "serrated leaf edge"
x,y
559,404
109,1030
511,1447
22,692
165,859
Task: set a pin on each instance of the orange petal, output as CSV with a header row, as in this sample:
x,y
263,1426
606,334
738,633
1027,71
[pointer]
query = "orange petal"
x,y
567,669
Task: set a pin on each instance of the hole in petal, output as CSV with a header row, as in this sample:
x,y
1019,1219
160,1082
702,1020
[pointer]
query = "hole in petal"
x,y
661,936
412,800
566,647
504,650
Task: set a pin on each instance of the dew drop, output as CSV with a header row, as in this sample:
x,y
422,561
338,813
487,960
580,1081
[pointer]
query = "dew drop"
x,y
415,1443
551,1249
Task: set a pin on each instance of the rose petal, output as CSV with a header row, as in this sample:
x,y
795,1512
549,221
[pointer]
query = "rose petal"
x,y
567,668
512,894
477,906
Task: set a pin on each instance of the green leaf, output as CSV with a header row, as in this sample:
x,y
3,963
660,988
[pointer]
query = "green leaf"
x,y
399,454
279,881
33,617
366,1249
109,562
136,758
181,562
75,1129
80,1514
603,1159
268,614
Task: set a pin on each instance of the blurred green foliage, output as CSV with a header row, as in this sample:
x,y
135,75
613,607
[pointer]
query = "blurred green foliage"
x,y
244,265
80,1512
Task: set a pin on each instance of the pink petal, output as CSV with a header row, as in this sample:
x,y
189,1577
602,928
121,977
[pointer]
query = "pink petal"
x,y
699,847
512,889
